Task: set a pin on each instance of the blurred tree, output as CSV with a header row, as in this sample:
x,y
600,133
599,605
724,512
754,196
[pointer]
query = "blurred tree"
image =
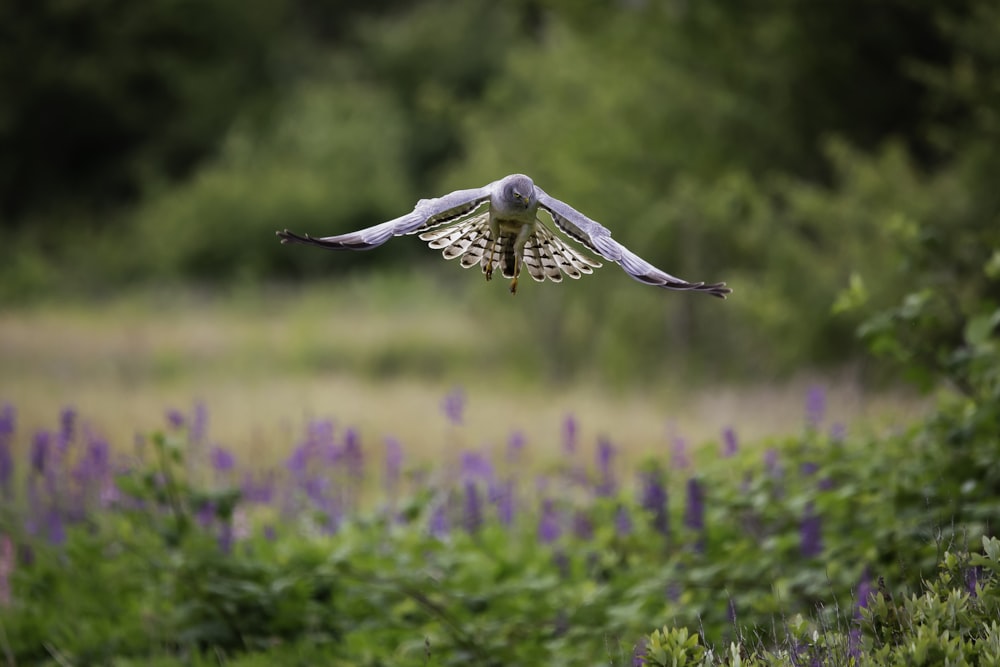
x,y
945,321
100,95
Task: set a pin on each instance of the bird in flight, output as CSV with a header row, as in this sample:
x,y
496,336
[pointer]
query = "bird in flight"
x,y
497,227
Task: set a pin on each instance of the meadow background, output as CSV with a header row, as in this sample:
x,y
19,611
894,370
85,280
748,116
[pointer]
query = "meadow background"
x,y
216,449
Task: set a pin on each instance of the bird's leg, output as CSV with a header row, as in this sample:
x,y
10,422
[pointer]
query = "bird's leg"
x,y
517,271
523,234
494,236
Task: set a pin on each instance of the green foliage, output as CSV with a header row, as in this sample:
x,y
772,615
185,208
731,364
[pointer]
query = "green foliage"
x,y
673,647
953,622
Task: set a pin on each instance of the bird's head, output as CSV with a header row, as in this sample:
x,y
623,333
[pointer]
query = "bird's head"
x,y
519,191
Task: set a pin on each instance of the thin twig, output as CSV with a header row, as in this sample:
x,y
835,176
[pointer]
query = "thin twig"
x,y
7,650
56,655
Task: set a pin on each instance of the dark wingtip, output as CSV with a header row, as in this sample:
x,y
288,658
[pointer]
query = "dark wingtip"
x,y
287,236
718,289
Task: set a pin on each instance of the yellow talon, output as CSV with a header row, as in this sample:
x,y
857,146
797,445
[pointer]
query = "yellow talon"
x,y
513,286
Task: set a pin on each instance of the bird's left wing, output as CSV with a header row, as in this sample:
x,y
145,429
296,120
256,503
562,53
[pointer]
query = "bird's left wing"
x,y
426,214
597,238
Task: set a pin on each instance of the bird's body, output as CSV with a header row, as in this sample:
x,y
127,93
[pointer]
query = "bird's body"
x,y
508,235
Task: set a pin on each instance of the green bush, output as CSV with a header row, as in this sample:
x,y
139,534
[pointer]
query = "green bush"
x,y
953,622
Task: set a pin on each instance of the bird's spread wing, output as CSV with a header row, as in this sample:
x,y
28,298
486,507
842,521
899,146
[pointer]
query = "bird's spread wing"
x,y
597,238
428,213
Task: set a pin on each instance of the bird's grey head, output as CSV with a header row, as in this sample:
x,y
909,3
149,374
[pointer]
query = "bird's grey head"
x,y
518,191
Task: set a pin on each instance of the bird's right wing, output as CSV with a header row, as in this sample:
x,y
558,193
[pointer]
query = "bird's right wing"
x,y
426,214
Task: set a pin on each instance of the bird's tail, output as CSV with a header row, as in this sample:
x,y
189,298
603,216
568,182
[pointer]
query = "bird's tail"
x,y
508,263
472,241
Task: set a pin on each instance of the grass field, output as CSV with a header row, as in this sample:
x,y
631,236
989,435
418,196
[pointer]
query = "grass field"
x,y
264,361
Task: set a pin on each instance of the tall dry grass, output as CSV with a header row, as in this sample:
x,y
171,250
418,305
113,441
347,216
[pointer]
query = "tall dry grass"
x,y
265,361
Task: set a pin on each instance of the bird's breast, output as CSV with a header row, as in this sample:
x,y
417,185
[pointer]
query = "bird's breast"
x,y
512,220
511,225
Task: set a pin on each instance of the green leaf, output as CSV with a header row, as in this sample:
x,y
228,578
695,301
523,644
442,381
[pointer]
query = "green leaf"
x,y
980,329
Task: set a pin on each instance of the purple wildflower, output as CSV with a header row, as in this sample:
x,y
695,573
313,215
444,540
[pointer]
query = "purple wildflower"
x,y
98,455
473,514
810,533
298,462
771,462
731,611
199,423
679,459
862,598
7,562
334,513
255,491
729,443
55,527
694,511
6,455
319,436
205,515
222,459
270,534
316,488
40,452
854,643
639,653
864,593
549,529
561,561
6,471
570,435
815,406
92,475
515,445
226,536
353,456
654,501
808,468
583,527
605,457
439,525
453,406
972,580
505,503
7,420
476,466
175,419
67,425
393,465
108,494
623,521
838,432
